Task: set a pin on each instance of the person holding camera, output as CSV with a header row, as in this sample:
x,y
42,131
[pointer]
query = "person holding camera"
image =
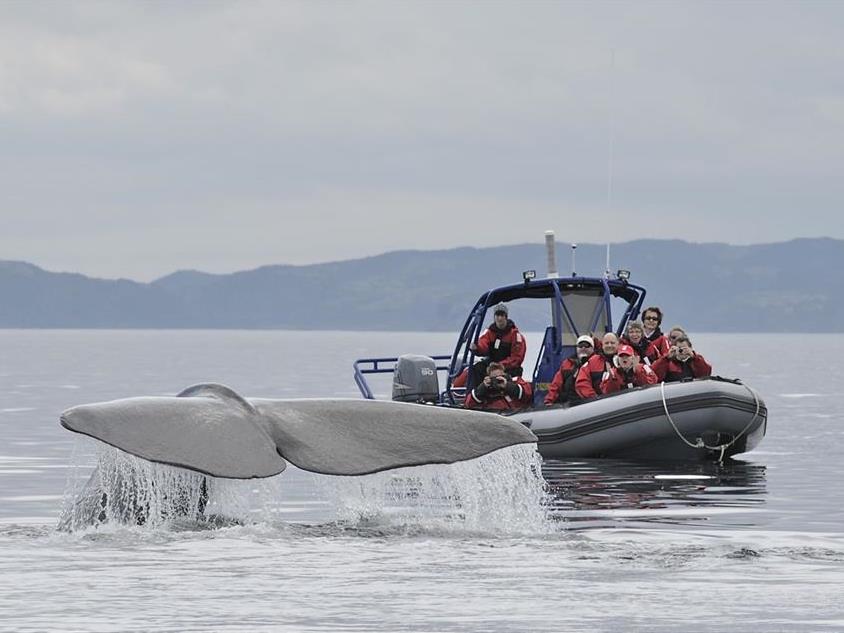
x,y
627,373
681,362
561,390
499,391
675,333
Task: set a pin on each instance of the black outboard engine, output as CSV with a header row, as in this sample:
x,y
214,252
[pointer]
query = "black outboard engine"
x,y
415,379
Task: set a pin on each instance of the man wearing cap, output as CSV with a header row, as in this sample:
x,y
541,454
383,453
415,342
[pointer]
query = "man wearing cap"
x,y
627,373
587,384
500,343
499,392
562,386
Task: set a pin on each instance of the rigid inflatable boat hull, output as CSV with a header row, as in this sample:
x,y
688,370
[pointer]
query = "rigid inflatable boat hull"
x,y
716,418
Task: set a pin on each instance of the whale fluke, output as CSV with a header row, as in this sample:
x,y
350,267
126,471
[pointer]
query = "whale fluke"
x,y
211,429
210,434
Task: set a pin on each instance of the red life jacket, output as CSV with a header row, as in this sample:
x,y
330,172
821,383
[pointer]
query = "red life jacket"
x,y
562,386
672,370
506,346
641,349
520,396
589,376
619,380
659,345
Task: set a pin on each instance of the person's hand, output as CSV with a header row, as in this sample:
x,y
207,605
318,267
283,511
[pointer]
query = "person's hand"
x,y
684,355
473,346
487,381
672,351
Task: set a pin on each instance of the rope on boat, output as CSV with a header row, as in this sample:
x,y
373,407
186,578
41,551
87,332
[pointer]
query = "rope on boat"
x,y
700,443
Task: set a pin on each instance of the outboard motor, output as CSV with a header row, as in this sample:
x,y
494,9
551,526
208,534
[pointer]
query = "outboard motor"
x,y
415,379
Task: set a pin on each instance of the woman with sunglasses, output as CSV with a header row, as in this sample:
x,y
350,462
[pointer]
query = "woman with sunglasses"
x,y
651,320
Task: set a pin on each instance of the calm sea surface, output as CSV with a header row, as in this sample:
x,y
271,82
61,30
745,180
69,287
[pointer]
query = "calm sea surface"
x,y
757,543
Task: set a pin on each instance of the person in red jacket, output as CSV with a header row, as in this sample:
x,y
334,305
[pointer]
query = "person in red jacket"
x,y
675,333
500,343
681,362
652,319
500,392
628,372
562,389
591,374
635,338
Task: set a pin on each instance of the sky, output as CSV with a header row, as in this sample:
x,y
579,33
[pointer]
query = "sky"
x,y
141,138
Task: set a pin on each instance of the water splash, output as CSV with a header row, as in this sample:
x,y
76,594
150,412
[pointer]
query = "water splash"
x,y
128,490
502,492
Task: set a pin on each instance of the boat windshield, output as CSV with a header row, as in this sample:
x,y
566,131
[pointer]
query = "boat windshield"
x,y
585,312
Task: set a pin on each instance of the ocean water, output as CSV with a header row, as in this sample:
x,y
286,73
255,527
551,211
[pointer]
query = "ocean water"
x,y
591,545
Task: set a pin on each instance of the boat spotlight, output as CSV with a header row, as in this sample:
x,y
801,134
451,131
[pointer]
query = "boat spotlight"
x,y
528,275
624,275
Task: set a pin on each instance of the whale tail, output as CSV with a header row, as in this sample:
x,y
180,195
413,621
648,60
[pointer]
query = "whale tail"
x,y
210,429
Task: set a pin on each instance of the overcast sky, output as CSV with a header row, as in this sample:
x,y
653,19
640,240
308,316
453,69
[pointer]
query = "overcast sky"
x,y
139,138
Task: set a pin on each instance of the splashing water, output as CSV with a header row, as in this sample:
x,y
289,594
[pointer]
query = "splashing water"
x,y
128,490
502,492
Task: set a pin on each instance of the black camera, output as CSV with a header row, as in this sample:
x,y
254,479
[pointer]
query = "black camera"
x,y
499,381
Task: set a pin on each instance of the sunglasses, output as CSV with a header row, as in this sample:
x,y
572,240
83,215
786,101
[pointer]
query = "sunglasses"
x,y
585,345
651,318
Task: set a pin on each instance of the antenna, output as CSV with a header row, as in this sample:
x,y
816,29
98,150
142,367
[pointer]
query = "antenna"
x,y
573,267
611,133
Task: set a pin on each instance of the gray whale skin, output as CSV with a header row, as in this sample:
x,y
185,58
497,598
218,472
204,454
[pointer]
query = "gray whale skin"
x,y
211,429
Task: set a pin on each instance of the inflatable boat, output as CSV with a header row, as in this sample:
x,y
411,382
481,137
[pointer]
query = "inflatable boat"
x,y
708,418
705,419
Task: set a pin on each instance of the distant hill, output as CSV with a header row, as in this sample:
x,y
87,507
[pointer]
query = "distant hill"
x,y
792,286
